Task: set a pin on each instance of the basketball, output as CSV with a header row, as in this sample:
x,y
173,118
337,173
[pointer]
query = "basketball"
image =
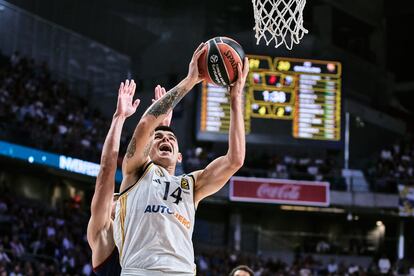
x,y
218,65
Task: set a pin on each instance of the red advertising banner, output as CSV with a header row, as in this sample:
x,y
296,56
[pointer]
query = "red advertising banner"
x,y
279,191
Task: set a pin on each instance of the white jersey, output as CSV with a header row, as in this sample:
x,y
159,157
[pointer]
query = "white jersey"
x,y
153,226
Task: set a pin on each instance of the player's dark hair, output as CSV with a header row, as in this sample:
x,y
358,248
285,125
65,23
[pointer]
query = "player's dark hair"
x,y
165,128
243,268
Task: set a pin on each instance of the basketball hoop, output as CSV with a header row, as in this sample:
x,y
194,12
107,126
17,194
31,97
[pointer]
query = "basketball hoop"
x,y
280,21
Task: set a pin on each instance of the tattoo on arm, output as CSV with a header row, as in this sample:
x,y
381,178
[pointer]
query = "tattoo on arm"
x,y
161,107
147,149
131,148
166,103
149,145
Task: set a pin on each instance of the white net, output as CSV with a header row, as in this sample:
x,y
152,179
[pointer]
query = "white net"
x,y
280,21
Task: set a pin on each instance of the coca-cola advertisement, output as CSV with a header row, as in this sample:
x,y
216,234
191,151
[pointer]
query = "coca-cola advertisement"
x,y
279,191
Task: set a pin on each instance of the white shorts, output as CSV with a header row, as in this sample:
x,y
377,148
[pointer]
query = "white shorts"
x,y
145,272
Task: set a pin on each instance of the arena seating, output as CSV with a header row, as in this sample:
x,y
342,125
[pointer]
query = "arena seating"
x,y
393,165
39,111
275,166
44,114
39,240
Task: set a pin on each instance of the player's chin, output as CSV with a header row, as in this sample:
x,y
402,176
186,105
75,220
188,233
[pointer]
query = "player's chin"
x,y
165,155
164,159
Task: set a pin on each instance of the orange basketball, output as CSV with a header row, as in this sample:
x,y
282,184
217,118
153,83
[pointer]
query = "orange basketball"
x,y
218,65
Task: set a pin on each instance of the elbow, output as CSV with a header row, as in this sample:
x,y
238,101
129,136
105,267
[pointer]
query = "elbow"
x,y
144,123
145,126
237,162
106,171
109,159
108,163
236,158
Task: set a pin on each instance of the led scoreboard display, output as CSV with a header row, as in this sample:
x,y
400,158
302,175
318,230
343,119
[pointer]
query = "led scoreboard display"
x,y
285,99
271,95
318,97
215,110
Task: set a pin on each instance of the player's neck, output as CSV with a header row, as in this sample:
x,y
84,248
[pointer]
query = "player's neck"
x,y
170,169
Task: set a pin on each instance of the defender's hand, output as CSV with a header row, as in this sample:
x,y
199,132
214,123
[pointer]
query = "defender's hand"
x,y
193,74
237,88
126,106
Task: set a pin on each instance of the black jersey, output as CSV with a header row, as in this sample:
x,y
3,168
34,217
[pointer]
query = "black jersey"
x,y
110,266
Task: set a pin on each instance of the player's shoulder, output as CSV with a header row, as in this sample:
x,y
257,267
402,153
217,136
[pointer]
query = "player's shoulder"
x,y
131,181
195,174
186,181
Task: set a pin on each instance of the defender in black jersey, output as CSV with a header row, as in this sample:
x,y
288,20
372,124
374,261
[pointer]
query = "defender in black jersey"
x,y
110,266
105,256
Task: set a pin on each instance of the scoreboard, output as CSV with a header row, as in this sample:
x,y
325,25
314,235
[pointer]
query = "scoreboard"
x,y
299,98
318,98
215,110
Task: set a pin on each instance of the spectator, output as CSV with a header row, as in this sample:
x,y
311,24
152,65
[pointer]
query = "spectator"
x,y
202,264
322,247
17,247
305,271
16,271
332,267
384,265
87,269
411,271
4,258
3,207
242,270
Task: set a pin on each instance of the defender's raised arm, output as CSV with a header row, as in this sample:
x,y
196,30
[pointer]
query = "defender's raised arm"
x,y
99,230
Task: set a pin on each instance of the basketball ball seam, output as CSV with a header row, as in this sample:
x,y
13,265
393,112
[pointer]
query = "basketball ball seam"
x,y
206,62
222,79
225,67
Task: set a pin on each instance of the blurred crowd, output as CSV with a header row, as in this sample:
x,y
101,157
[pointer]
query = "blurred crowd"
x,y
269,165
220,262
39,240
394,165
38,111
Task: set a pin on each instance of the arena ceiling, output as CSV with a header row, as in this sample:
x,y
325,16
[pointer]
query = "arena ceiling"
x,y
128,25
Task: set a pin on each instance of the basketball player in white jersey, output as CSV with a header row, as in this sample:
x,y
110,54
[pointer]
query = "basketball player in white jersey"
x,y
105,258
155,212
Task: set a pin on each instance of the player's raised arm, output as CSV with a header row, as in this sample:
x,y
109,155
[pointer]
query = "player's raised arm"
x,y
101,205
219,171
138,150
158,93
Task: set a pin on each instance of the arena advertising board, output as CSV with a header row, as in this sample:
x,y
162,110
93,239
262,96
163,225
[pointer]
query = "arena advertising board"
x,y
62,162
279,191
406,200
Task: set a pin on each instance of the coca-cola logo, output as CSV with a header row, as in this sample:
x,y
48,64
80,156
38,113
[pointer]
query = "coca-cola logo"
x,y
285,191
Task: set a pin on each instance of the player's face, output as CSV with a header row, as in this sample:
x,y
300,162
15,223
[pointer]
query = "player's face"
x,y
164,149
